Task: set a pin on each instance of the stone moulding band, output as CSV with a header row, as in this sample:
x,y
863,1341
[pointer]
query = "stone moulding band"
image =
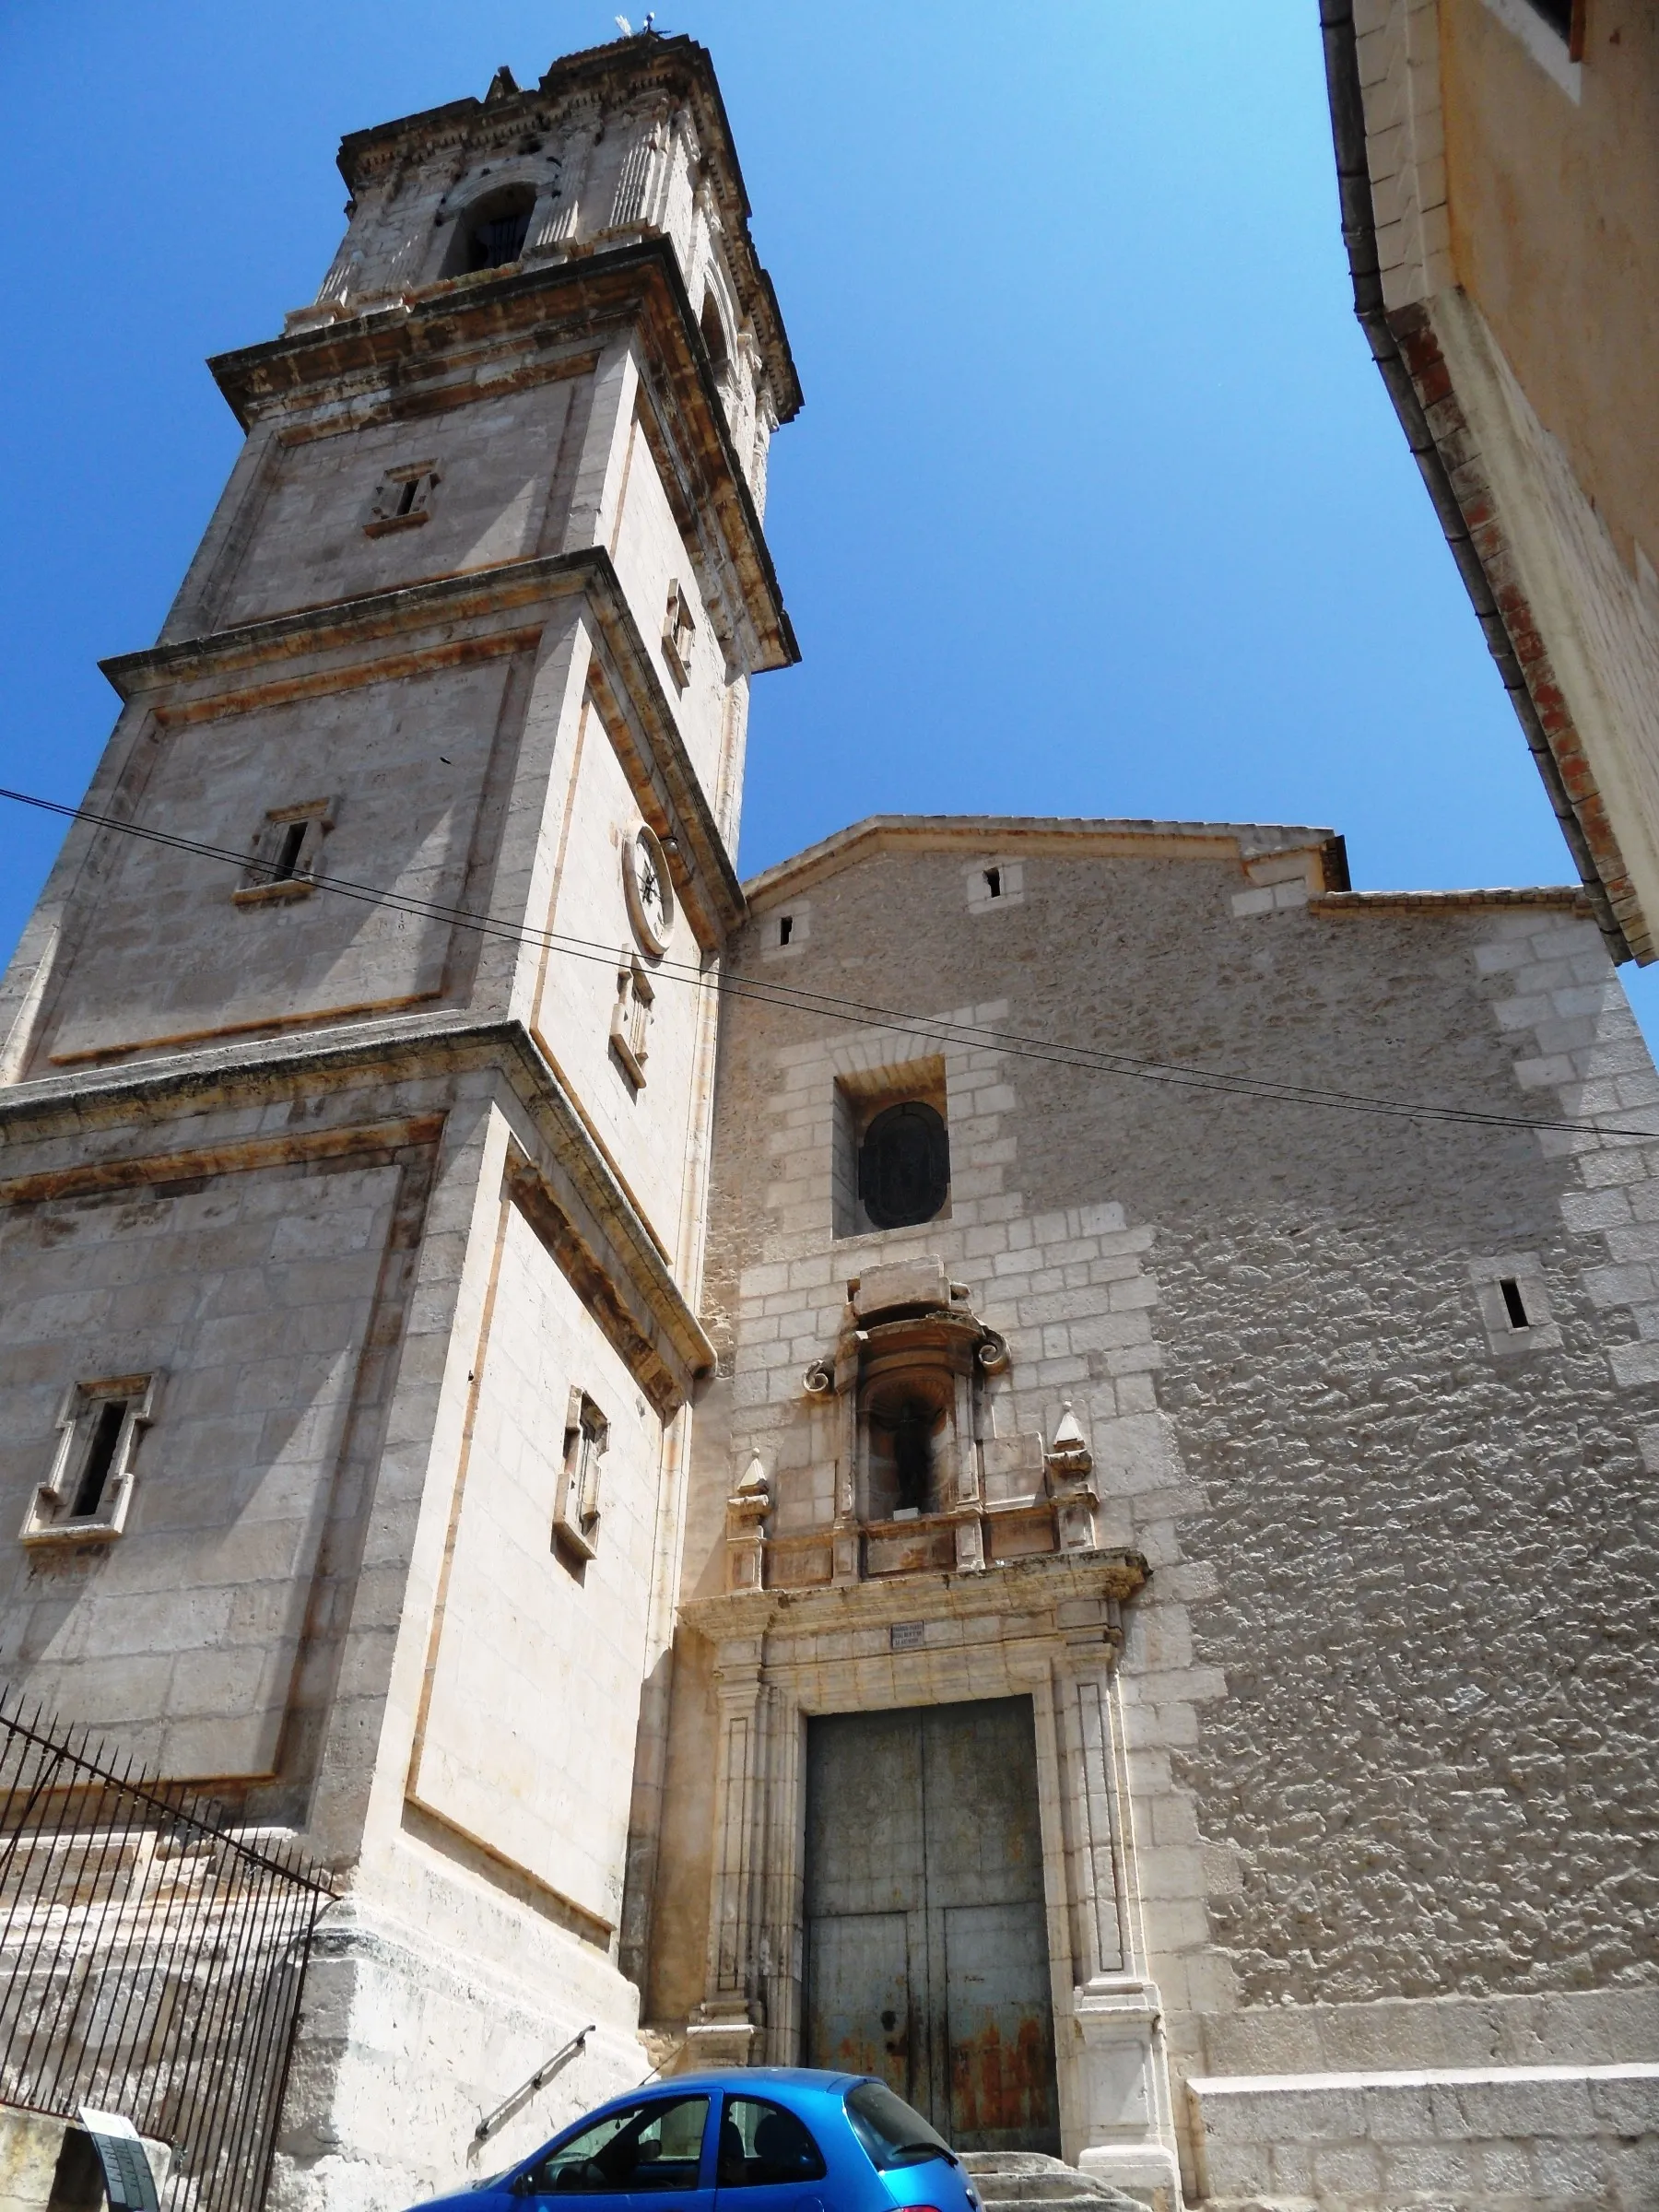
x,y
619,281
668,1341
666,786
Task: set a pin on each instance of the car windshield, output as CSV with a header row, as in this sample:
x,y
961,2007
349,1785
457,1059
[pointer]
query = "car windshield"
x,y
889,2130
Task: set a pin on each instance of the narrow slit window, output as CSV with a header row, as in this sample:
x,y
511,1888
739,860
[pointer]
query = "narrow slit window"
x,y
1514,1305
785,928
100,1458
994,882
1566,18
287,864
680,632
576,1507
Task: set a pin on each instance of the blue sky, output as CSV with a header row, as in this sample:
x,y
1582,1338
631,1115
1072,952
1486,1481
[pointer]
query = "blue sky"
x,y
1096,506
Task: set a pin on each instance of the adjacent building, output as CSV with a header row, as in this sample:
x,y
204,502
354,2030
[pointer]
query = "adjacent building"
x,y
1498,167
1018,1455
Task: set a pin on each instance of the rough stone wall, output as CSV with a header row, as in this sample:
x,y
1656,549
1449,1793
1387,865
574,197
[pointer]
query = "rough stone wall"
x,y
1391,1648
1434,1583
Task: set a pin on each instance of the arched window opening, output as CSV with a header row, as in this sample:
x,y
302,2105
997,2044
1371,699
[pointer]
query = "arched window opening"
x,y
715,337
491,234
904,1166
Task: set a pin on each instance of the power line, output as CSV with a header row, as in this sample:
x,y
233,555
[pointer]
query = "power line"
x,y
829,1005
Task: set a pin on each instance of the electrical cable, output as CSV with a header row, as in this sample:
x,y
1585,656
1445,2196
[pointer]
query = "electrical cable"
x,y
829,1005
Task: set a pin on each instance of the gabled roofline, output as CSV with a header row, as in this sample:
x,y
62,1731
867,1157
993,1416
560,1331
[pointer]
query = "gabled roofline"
x,y
1075,837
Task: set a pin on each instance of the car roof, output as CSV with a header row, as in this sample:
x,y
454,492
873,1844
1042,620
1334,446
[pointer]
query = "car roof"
x,y
734,2079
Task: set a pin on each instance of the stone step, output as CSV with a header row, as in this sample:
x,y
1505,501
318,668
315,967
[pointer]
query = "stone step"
x,y
1035,2183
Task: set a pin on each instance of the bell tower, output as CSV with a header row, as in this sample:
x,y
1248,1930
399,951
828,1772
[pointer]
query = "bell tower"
x,y
355,1085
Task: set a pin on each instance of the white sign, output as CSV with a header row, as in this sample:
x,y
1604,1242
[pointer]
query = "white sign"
x,y
128,2182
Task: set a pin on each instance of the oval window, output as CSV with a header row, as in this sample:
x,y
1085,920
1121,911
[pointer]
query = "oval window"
x,y
904,1165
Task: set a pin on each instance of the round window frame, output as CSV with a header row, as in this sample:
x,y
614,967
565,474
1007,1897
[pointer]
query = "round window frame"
x,y
649,938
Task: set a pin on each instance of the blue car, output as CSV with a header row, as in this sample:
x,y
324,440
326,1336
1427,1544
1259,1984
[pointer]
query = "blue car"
x,y
767,2139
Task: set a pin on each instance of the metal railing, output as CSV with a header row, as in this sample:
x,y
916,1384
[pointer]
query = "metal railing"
x,y
151,1957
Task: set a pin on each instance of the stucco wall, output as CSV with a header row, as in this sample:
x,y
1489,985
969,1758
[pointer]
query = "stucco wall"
x,y
161,949
498,465
526,1734
250,1297
1552,204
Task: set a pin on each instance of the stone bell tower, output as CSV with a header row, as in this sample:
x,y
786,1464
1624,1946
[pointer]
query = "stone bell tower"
x,y
356,1089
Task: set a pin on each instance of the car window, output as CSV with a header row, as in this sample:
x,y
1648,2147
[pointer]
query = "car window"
x,y
760,2143
889,2130
639,2148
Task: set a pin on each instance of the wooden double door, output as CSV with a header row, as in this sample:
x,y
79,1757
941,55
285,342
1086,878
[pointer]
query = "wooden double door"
x,y
927,1934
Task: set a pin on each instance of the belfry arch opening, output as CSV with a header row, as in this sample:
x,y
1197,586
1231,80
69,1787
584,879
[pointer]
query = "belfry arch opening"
x,y
715,337
491,232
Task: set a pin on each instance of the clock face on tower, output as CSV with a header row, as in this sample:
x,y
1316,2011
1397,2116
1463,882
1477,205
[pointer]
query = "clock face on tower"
x,y
650,893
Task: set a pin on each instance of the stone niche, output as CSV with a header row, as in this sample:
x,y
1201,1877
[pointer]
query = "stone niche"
x,y
922,1480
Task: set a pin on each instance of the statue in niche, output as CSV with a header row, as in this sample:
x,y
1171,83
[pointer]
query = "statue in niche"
x,y
913,1456
905,1424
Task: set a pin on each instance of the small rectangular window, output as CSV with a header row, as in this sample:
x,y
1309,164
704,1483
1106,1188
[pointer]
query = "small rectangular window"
x,y
402,500
576,1507
89,1487
784,935
286,852
1513,1299
679,632
631,1019
999,883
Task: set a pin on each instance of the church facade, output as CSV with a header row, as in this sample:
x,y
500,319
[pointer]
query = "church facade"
x,y
1014,1456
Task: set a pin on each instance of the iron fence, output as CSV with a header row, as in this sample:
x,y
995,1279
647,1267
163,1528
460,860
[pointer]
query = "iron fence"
x,y
151,1957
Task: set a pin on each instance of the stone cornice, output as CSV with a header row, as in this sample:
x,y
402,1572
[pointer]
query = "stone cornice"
x,y
632,1293
1568,898
259,657
409,339
1072,838
1012,1592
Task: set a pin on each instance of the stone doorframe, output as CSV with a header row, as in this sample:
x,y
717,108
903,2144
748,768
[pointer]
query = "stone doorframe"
x,y
1045,1628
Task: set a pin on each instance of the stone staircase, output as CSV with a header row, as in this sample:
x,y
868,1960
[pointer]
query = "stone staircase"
x,y
1028,2180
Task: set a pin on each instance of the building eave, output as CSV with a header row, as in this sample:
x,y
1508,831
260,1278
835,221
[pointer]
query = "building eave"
x,y
1558,897
1506,620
